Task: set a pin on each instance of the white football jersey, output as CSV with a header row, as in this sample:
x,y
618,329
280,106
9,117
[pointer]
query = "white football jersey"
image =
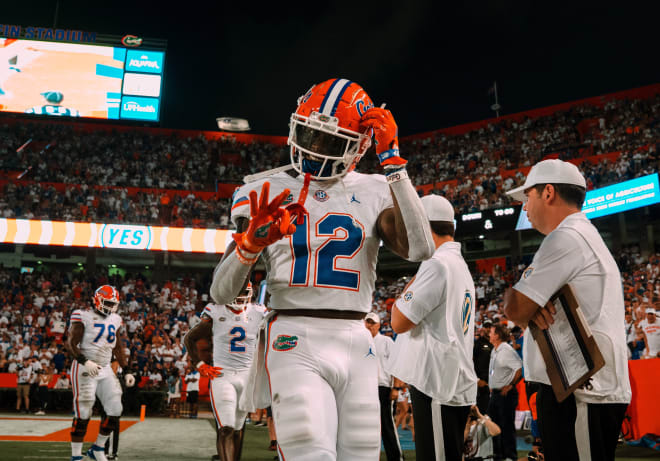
x,y
330,261
100,335
436,355
234,335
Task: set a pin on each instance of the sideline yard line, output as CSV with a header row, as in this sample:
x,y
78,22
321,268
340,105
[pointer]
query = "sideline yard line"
x,y
2,418
45,457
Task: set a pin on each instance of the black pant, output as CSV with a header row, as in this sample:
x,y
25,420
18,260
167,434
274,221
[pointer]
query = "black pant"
x,y
483,397
560,440
43,397
452,420
502,410
387,430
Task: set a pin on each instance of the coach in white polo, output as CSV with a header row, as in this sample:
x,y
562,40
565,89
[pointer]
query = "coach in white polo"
x,y
435,357
586,425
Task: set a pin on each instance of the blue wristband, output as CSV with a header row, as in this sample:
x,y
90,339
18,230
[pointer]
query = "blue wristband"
x,y
388,154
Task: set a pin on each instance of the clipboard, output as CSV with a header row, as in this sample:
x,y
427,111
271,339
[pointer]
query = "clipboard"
x,y
569,350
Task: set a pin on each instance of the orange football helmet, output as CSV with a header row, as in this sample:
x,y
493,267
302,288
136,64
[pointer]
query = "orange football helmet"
x,y
106,299
243,298
324,134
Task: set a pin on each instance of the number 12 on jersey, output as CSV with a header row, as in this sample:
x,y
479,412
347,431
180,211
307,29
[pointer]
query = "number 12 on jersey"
x,y
344,237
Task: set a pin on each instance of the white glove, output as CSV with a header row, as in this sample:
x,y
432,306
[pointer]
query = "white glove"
x,y
91,368
129,379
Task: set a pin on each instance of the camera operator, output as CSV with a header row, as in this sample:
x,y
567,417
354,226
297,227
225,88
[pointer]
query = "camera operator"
x,y
478,435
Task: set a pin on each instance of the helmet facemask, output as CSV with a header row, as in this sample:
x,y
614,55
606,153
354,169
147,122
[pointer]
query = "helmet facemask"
x,y
107,306
106,300
242,300
321,147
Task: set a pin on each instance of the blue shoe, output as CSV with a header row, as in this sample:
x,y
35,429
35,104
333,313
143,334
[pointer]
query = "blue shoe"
x,y
76,458
96,453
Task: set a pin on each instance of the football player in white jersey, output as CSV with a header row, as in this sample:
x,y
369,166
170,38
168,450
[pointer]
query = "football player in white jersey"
x,y
92,342
320,255
233,329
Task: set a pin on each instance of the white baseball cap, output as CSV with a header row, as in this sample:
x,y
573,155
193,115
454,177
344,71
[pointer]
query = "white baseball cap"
x,y
438,208
549,172
373,317
650,310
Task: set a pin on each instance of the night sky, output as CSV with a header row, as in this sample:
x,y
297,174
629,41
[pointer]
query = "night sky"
x,y
431,62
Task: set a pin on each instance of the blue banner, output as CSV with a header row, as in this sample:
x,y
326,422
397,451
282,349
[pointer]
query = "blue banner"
x,y
616,198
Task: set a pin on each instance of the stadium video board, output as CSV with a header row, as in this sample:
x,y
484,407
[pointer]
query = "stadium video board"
x,y
487,221
616,198
80,80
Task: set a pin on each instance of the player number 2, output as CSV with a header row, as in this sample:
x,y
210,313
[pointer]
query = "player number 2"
x,y
344,238
238,334
111,332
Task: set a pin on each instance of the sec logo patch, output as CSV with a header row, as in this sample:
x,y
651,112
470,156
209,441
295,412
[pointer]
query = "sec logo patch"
x,y
528,272
321,196
407,296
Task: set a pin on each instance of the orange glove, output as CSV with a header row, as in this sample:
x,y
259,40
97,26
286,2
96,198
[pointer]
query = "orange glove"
x,y
208,371
297,210
268,221
386,133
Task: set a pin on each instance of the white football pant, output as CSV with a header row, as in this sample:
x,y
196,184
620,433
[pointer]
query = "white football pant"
x,y
226,391
105,386
323,377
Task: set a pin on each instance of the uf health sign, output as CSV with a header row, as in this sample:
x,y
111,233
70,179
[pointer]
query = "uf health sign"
x,y
144,61
125,237
139,108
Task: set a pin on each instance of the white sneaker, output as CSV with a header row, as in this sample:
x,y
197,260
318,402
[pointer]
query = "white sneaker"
x,y
40,413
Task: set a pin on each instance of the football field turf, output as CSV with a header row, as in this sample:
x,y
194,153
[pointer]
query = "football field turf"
x,y
161,439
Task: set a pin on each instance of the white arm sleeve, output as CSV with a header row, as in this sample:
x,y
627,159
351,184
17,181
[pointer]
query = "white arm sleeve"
x,y
228,279
420,241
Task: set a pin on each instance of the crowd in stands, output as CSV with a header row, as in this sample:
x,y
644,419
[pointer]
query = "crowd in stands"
x,y
35,312
118,160
35,309
110,205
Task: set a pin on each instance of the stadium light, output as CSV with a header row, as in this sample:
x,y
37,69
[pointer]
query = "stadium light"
x,y
232,124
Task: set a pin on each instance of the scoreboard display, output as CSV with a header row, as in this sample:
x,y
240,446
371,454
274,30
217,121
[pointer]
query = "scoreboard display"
x,y
80,80
490,221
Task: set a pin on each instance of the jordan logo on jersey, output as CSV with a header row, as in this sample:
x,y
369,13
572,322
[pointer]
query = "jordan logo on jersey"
x,y
353,199
370,353
285,343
